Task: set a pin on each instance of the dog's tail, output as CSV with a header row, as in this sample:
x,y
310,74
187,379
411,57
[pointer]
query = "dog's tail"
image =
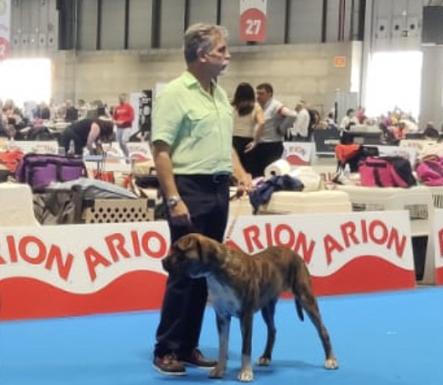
x,y
300,285
299,310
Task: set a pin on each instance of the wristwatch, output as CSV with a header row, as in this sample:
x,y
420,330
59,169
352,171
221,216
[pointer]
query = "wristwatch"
x,y
172,201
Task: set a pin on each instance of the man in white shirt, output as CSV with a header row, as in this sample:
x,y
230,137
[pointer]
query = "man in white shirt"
x,y
300,127
270,147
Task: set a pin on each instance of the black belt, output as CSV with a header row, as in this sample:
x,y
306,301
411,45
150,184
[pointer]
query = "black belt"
x,y
216,178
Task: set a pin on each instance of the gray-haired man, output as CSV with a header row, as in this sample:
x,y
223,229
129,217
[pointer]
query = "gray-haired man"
x,y
194,158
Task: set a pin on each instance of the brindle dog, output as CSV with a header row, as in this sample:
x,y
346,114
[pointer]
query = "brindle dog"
x,y
241,284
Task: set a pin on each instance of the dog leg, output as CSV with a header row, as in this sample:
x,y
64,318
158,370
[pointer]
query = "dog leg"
x,y
268,315
246,374
309,304
223,324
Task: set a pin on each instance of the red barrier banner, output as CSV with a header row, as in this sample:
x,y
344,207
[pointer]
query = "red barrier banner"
x,y
345,253
253,20
66,270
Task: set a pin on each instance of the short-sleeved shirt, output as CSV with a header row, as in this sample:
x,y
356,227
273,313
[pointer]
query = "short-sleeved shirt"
x,y
196,125
273,119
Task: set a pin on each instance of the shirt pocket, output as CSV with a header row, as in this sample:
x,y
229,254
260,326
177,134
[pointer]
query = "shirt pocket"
x,y
198,123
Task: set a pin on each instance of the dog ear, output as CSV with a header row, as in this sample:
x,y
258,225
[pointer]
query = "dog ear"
x,y
186,243
210,249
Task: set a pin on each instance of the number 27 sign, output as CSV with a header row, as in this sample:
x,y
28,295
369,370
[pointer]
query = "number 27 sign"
x,y
253,20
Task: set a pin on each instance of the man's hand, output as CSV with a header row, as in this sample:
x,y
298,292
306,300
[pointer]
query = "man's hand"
x,y
244,184
180,214
250,146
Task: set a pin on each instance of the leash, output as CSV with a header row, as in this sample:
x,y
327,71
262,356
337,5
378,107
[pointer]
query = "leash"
x,y
235,216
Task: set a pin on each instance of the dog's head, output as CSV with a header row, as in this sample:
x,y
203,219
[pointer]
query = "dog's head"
x,y
194,255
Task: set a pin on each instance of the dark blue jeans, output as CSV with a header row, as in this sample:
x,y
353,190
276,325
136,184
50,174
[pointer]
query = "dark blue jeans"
x,y
207,198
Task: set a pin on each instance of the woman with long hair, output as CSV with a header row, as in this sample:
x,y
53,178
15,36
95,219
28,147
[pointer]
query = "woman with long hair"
x,y
248,126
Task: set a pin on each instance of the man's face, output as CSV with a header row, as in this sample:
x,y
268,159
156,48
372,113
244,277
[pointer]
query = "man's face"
x,y
218,58
263,96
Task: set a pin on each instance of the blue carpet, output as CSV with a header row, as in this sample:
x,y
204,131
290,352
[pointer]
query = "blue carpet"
x,y
379,339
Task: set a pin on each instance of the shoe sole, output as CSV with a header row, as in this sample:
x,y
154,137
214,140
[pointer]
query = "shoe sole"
x,y
198,366
175,374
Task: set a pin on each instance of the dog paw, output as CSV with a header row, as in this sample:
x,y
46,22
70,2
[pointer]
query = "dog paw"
x,y
217,373
246,375
263,361
331,363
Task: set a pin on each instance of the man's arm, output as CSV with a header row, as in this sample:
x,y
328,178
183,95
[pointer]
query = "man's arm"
x,y
163,164
244,180
259,128
287,112
93,135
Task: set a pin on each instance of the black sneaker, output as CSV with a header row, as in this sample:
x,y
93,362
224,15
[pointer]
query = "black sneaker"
x,y
169,365
196,358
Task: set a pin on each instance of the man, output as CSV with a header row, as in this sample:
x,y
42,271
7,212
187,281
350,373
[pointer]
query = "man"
x,y
270,147
82,109
71,114
123,117
194,158
300,128
349,120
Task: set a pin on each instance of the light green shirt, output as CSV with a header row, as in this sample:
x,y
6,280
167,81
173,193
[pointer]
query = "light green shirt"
x,y
196,125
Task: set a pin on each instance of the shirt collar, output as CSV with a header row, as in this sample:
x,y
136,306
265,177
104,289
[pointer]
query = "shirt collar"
x,y
190,81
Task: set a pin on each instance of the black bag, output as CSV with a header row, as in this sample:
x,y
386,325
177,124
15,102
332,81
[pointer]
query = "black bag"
x,y
403,168
147,180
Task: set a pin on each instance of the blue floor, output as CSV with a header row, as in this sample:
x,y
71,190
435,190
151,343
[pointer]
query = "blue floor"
x,y
379,339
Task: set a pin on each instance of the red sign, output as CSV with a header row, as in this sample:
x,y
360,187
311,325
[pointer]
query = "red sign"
x,y
253,20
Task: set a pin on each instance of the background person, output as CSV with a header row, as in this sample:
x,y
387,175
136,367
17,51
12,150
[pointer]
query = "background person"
x,y
123,116
300,128
71,114
87,133
346,124
270,147
248,126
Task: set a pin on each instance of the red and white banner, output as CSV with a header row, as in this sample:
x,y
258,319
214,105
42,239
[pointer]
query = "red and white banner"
x,y
345,253
40,147
137,151
5,28
253,20
54,271
298,153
